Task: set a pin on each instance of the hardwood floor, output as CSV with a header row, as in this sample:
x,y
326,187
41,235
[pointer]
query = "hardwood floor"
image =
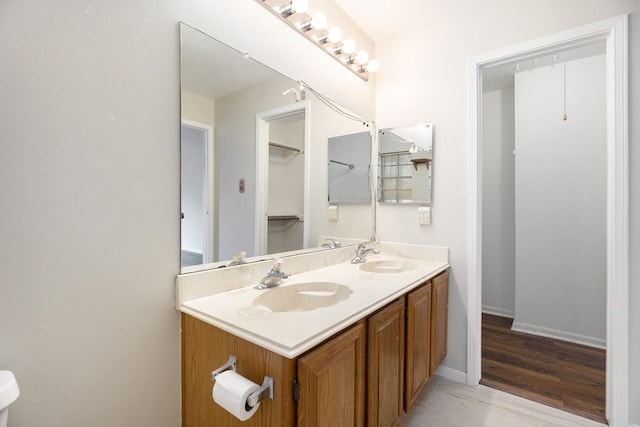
x,y
557,373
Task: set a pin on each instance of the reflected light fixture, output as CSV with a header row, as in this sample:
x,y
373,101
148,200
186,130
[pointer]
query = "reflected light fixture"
x,y
335,34
349,46
319,21
313,27
362,57
373,66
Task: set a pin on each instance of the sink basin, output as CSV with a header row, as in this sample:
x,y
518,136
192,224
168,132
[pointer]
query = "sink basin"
x,y
302,296
387,266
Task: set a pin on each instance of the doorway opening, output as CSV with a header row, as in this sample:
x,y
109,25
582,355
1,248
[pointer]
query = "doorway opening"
x,y
613,33
544,215
197,239
283,197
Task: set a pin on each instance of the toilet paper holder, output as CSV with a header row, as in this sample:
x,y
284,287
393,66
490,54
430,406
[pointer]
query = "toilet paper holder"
x,y
229,364
264,391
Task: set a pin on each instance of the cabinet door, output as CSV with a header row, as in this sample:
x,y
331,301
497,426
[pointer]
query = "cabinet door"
x,y
385,365
440,301
418,352
332,381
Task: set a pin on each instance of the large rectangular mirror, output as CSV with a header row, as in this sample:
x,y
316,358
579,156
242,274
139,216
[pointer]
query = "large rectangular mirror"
x,y
253,158
405,163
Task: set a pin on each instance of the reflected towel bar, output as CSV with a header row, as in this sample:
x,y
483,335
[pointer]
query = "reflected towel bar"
x,y
351,165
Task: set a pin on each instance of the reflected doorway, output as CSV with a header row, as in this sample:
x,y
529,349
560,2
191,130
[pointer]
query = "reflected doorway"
x,y
196,239
282,201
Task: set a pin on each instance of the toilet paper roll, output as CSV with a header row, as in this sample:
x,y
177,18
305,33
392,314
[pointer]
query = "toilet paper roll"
x,y
231,391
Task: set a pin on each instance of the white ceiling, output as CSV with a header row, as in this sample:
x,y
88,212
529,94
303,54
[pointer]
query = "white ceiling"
x,y
212,69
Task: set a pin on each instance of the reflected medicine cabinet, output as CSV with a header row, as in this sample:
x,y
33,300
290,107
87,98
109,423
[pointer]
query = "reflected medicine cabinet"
x,y
349,166
405,163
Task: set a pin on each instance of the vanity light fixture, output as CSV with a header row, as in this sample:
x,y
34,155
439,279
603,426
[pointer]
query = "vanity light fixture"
x,y
317,22
295,6
313,27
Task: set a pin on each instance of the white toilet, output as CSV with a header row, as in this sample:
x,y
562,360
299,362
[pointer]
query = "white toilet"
x,y
9,392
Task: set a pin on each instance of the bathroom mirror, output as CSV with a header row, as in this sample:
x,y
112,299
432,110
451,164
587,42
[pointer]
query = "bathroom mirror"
x,y
405,163
253,159
349,168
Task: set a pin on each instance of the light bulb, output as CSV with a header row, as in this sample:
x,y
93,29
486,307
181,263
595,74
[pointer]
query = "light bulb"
x,y
299,6
373,66
319,21
349,46
335,34
362,57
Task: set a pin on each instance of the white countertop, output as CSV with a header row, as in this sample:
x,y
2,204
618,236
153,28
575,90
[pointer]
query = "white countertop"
x,y
292,333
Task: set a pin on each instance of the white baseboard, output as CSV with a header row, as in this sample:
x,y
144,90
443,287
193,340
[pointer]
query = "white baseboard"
x,y
497,311
560,335
451,374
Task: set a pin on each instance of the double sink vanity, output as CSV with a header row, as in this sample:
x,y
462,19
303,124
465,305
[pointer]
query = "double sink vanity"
x,y
345,343
344,336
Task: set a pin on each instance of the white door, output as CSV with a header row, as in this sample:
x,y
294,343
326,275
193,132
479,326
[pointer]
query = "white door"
x,y
193,184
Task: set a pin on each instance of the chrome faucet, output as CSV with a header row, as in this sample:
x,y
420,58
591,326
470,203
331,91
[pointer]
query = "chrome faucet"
x,y
332,244
361,253
238,259
273,277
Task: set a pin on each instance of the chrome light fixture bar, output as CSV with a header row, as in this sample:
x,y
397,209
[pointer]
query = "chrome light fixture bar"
x,y
314,28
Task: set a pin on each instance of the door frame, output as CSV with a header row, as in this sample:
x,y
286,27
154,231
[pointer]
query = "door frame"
x,y
614,32
262,171
209,252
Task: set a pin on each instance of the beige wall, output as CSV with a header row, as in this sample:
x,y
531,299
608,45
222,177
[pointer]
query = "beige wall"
x,y
89,201
89,196
197,108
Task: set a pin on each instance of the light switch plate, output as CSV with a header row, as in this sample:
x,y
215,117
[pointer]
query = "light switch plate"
x,y
424,215
333,213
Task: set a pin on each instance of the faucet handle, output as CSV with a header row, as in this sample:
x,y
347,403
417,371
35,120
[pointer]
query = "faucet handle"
x,y
332,244
278,264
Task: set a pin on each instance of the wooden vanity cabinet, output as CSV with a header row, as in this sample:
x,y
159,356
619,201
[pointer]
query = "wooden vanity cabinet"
x,y
385,366
418,351
426,331
205,348
359,377
439,319
331,381
328,382
406,341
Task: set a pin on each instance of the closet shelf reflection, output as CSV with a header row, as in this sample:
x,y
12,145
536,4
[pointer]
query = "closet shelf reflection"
x,y
284,147
284,218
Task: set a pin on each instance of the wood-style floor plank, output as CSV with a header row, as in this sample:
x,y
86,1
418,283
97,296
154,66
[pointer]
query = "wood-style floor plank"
x,y
557,373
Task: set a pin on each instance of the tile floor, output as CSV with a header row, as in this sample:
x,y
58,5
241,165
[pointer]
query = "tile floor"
x,y
450,404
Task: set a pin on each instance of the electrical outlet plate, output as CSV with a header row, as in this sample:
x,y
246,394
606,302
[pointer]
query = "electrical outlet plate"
x,y
424,215
333,212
